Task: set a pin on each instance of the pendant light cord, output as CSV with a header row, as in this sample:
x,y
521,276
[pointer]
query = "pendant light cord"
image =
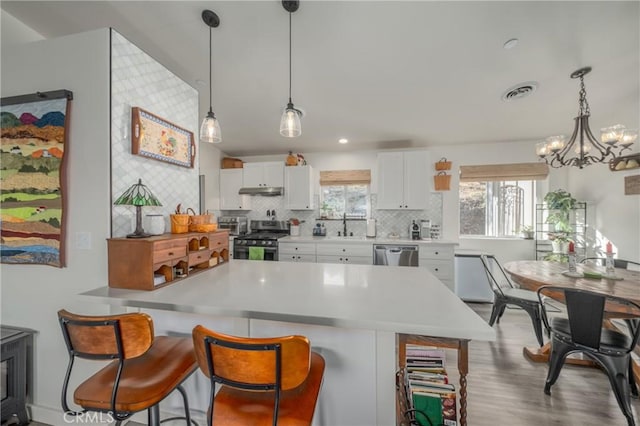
x,y
210,59
289,57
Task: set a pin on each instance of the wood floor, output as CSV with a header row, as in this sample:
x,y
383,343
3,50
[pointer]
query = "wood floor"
x,y
504,388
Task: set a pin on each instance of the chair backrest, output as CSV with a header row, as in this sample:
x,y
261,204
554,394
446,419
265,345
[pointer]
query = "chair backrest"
x,y
121,336
586,311
617,263
497,277
252,363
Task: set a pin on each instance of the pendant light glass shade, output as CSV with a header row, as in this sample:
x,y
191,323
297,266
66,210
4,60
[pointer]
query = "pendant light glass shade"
x,y
290,123
210,129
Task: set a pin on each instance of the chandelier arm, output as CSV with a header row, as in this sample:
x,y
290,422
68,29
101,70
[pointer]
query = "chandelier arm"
x,y
560,155
605,150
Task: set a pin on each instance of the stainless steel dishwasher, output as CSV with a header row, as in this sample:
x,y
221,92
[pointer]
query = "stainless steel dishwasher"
x,y
395,255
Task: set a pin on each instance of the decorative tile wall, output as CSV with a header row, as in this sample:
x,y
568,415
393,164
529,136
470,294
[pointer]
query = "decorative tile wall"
x,y
138,80
388,221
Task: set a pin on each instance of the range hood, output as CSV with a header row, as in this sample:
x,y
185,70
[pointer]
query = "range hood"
x,y
262,190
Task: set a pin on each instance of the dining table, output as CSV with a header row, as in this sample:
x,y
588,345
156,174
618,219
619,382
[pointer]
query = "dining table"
x,y
533,274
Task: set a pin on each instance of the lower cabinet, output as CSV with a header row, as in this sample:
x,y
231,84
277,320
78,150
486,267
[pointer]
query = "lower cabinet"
x,y
354,260
148,263
297,252
439,260
359,254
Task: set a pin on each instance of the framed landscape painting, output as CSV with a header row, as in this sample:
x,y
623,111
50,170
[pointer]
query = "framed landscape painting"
x,y
32,203
155,137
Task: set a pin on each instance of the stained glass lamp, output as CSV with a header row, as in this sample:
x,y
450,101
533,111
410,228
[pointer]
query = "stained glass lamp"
x,y
138,195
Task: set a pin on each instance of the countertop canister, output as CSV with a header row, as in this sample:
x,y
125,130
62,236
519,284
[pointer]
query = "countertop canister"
x,y
155,224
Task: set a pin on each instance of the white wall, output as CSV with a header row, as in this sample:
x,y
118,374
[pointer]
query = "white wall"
x,y
32,294
13,31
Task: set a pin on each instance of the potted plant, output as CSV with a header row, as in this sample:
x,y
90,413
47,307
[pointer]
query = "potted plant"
x,y
560,204
526,232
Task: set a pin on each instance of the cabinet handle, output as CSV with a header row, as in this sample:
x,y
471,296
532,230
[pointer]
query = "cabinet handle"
x,y
400,205
293,257
296,248
406,207
298,257
346,259
340,259
344,249
437,253
436,269
170,253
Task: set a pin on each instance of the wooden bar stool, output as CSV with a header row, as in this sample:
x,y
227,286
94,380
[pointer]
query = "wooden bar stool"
x,y
264,381
143,370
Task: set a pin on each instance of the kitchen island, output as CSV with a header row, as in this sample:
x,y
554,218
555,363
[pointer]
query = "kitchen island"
x,y
354,314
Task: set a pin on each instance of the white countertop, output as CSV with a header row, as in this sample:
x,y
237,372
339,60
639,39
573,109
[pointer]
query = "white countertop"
x,y
397,299
355,240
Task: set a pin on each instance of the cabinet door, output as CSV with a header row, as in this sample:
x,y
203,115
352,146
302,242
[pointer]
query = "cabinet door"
x,y
390,180
230,184
298,187
252,175
273,174
417,180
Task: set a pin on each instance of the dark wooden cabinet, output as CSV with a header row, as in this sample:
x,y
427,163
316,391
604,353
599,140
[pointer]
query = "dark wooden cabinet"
x,y
149,263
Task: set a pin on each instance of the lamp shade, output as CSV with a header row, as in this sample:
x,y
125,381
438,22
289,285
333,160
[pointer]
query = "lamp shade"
x,y
290,126
138,195
210,129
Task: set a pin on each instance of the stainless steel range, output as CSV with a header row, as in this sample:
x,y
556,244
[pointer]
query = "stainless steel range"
x,y
263,238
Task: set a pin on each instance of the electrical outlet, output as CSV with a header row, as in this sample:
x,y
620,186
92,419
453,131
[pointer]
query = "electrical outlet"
x,y
83,240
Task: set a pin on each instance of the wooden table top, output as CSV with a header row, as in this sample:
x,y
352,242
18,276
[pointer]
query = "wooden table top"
x,y
532,274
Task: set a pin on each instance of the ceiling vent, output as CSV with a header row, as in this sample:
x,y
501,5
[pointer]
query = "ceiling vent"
x,y
519,91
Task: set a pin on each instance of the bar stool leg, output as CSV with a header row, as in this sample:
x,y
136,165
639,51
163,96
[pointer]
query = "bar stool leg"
x,y
154,415
187,414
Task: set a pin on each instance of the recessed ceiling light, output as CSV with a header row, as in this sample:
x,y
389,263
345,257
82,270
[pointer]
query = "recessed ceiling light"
x,y
511,43
343,140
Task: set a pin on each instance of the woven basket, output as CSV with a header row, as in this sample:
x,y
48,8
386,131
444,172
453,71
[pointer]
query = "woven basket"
x,y
198,219
443,164
179,223
205,227
442,181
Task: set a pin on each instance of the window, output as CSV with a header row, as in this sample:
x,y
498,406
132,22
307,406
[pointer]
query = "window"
x,y
498,200
344,192
496,209
340,199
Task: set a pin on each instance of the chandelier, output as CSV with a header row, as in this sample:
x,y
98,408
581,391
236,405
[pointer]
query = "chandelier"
x,y
582,148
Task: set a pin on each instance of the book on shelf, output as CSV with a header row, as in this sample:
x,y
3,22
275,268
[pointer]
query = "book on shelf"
x,y
440,408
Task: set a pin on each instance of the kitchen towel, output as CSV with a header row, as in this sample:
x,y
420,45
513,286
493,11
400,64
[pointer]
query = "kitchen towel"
x,y
256,253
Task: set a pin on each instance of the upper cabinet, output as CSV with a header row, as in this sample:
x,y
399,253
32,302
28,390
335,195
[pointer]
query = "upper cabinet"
x,y
263,174
404,180
230,184
298,188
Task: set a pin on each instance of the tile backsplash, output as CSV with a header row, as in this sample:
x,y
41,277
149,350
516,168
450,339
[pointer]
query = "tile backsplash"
x,y
388,221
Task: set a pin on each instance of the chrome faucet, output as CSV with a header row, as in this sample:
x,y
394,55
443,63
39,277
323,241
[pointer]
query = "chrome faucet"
x,y
344,225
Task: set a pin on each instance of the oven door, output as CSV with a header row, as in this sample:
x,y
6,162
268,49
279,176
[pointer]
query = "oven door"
x,y
242,252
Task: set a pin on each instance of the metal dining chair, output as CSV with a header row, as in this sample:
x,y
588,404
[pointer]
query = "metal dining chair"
x,y
505,293
617,263
582,328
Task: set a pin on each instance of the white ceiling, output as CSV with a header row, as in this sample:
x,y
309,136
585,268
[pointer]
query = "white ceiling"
x,y
382,74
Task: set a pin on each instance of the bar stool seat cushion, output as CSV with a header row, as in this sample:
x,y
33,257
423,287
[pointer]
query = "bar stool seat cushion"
x,y
145,380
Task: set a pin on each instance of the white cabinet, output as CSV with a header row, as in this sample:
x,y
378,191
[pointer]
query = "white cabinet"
x,y
439,259
298,188
404,180
263,174
359,254
297,252
230,184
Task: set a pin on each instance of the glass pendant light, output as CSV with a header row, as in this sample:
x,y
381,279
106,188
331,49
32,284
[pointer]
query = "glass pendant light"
x,y
210,129
290,126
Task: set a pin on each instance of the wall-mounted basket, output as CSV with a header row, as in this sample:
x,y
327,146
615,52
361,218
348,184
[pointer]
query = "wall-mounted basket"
x,y
442,182
443,164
